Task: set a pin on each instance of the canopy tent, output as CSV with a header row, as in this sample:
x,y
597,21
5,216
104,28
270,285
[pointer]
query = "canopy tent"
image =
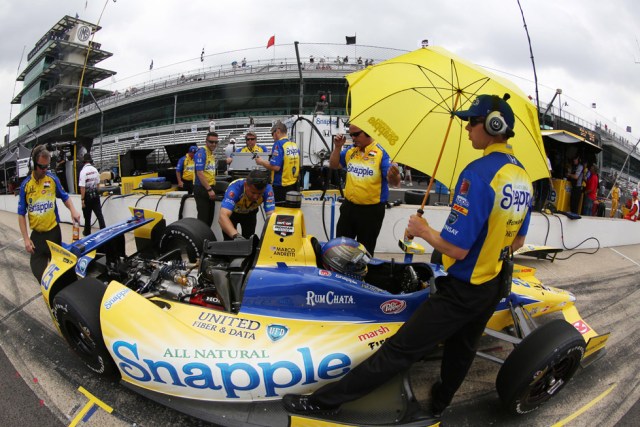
x,y
567,137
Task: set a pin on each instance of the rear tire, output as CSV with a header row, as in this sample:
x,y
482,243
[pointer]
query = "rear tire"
x,y
188,235
76,308
415,197
540,366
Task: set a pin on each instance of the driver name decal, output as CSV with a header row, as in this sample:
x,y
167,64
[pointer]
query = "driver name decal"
x,y
236,380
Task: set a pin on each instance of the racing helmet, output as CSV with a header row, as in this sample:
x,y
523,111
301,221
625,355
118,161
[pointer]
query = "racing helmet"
x,y
345,255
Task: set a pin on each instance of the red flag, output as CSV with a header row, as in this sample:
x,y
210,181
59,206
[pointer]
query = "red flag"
x,y
271,42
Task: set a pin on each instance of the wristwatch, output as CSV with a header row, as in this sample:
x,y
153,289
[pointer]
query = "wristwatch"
x,y
209,190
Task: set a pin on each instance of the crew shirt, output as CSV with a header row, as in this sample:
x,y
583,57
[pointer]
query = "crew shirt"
x,y
205,161
258,148
236,201
186,166
286,155
37,200
366,174
89,177
491,206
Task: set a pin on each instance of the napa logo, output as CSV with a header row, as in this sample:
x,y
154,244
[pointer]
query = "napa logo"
x,y
277,332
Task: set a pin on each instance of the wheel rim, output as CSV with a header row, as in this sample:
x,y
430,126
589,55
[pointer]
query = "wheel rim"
x,y
550,381
81,339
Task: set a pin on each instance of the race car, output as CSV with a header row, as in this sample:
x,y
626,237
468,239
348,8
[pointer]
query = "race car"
x,y
223,330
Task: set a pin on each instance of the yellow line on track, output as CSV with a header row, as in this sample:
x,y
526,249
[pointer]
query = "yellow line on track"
x,y
584,408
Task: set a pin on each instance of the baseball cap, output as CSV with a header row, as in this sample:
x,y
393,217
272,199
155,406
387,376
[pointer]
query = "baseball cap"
x,y
193,148
87,158
485,104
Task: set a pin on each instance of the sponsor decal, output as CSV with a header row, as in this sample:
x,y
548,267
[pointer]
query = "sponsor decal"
x,y
373,334
138,213
46,185
383,129
40,207
231,380
371,154
359,171
283,225
324,273
462,210
375,344
450,229
227,325
581,326
393,306
232,194
462,201
209,353
329,298
464,187
116,298
277,332
520,198
82,265
452,218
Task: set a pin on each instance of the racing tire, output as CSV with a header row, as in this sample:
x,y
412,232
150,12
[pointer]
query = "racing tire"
x,y
540,366
153,185
415,197
76,309
188,235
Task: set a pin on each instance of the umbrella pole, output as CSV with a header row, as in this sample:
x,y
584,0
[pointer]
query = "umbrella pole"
x,y
408,237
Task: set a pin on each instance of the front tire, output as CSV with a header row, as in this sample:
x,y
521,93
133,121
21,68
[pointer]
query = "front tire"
x,y
540,366
76,308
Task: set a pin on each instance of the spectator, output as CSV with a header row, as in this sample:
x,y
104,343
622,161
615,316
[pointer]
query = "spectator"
x,y
229,150
241,202
89,195
185,170
615,199
244,62
634,211
369,170
591,192
284,163
205,179
575,176
472,246
37,200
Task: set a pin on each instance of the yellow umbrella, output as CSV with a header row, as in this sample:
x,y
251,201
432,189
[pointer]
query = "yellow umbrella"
x,y
406,104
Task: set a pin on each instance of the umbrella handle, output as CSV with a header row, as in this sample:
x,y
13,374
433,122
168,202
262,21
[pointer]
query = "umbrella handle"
x,y
407,236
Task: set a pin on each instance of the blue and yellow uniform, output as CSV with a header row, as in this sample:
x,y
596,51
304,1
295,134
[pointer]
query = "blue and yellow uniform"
x,y
205,160
243,210
490,208
366,174
286,155
186,166
258,148
236,201
37,200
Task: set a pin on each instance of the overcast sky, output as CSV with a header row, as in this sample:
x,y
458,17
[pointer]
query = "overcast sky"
x,y
587,48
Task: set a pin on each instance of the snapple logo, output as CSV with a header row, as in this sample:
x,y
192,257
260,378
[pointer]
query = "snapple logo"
x,y
267,379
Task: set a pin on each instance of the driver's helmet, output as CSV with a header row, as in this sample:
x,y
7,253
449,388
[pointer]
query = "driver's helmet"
x,y
346,256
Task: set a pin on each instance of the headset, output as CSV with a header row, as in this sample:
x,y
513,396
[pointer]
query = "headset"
x,y
494,123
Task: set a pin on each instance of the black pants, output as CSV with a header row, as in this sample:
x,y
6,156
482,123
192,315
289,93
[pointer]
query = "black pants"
x,y
92,204
574,201
361,222
41,256
187,186
247,222
280,193
205,206
456,315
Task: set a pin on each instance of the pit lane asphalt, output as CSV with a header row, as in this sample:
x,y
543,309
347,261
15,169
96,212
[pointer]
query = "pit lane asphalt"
x,y
41,378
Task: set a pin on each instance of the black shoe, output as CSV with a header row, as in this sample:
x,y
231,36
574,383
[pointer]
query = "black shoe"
x,y
305,405
85,233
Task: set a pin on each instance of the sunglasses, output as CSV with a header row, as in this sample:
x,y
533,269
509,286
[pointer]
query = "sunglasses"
x,y
355,134
42,166
212,142
475,121
249,139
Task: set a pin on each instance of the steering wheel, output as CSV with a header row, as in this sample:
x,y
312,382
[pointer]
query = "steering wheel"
x,y
410,281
